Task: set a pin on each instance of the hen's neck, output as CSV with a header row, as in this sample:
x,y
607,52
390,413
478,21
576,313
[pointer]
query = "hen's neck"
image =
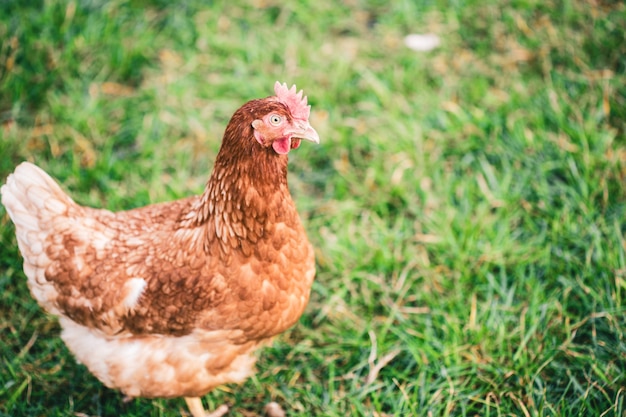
x,y
246,191
250,183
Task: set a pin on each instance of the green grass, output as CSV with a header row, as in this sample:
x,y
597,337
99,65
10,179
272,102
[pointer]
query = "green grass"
x,y
467,205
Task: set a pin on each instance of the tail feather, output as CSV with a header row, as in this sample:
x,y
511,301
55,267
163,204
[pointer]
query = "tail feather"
x,y
33,200
30,194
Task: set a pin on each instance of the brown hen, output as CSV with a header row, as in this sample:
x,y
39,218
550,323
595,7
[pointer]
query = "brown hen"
x,y
172,299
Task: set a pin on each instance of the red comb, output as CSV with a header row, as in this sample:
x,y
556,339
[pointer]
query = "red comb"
x,y
296,102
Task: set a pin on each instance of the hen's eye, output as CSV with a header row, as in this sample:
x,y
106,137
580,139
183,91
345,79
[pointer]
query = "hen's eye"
x,y
275,119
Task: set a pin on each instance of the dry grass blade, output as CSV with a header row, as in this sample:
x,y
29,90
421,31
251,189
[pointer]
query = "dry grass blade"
x,y
375,363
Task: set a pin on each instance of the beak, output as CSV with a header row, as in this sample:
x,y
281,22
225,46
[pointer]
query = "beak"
x,y
306,132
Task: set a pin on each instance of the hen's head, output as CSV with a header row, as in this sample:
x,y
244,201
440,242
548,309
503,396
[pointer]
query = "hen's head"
x,y
283,120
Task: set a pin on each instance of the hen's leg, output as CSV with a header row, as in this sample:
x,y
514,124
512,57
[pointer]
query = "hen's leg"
x,y
197,410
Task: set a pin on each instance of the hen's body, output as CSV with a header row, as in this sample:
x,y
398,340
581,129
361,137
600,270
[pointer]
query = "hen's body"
x,y
171,299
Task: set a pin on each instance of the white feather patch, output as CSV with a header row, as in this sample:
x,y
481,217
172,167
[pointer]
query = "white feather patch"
x,y
133,288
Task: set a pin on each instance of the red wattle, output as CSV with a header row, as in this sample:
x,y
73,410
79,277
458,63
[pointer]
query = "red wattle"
x,y
282,146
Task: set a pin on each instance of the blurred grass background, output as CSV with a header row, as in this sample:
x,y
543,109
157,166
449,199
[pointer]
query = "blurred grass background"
x,y
467,204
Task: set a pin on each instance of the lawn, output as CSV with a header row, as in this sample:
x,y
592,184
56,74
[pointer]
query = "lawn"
x,y
467,204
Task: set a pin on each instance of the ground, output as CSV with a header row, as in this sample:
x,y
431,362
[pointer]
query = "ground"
x,y
467,204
